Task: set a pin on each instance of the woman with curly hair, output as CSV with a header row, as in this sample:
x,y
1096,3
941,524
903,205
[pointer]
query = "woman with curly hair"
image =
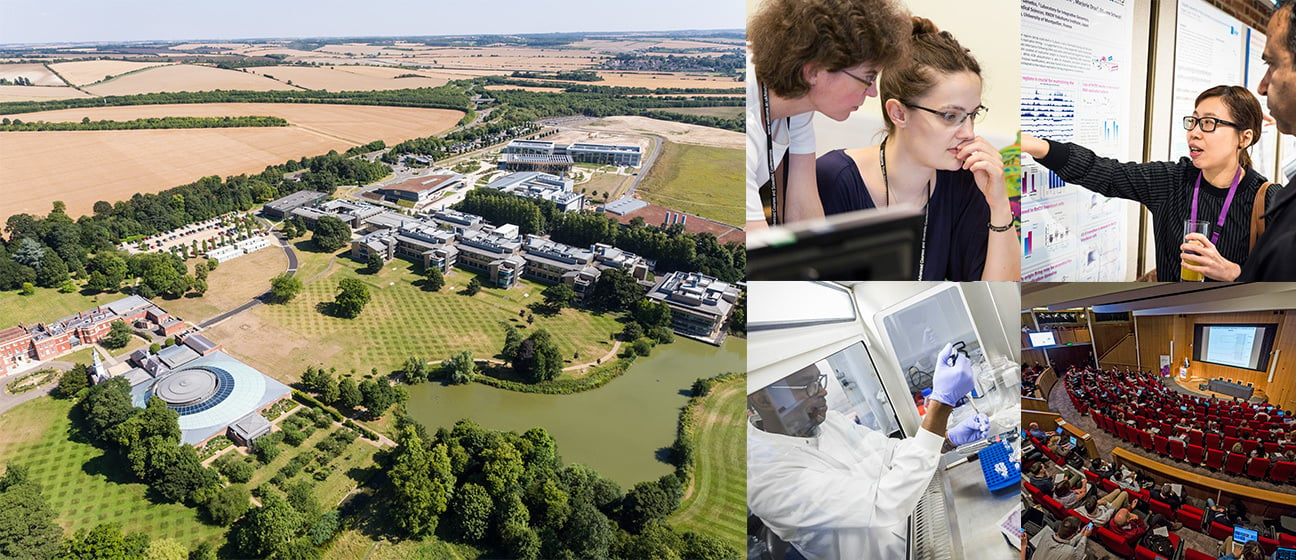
x,y
808,56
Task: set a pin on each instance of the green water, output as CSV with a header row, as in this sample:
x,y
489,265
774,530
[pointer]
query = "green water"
x,y
621,429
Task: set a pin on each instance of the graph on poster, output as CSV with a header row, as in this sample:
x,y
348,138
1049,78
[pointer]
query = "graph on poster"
x,y
1075,82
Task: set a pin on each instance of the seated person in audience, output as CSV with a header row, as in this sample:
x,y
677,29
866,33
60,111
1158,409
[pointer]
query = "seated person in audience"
x,y
1127,479
1066,495
1232,515
1100,509
1067,544
1289,456
1250,551
1127,525
1166,495
1040,478
1102,468
1237,448
1036,432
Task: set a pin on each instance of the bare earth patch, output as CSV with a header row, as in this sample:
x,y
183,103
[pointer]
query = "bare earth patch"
x,y
84,72
675,132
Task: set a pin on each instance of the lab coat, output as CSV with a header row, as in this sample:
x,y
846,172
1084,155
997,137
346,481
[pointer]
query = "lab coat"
x,y
846,493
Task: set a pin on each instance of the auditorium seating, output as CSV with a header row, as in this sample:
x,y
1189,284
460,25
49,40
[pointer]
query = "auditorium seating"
x,y
1286,541
1267,544
1235,464
1257,467
1159,442
1190,516
1196,454
1114,543
1282,472
1161,508
1177,450
1219,530
1190,554
1214,459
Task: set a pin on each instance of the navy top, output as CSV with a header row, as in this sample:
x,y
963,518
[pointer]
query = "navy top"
x,y
957,219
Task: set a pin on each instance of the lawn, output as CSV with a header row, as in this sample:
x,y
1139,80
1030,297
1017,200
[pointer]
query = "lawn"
x,y
232,284
719,493
85,488
351,545
401,320
46,305
604,183
701,180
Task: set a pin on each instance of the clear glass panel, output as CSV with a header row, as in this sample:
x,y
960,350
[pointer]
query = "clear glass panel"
x,y
795,404
797,303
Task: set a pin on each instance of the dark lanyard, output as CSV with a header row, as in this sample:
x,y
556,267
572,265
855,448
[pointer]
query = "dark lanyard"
x,y
922,253
1228,201
769,155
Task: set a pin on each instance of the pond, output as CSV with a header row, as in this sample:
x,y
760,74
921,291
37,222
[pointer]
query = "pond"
x,y
622,429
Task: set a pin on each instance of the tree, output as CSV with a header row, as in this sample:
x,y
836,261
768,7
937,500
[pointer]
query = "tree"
x,y
434,280
200,270
421,484
284,287
97,282
377,396
104,541
268,529
558,296
642,346
351,299
511,341
106,406
331,234
329,390
614,291
646,502
537,358
460,368
266,449
27,527
588,533
373,263
474,286
472,509
72,382
28,252
166,549
349,395
631,332
235,469
415,370
52,271
651,314
119,335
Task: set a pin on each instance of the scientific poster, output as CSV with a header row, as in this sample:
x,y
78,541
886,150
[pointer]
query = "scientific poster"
x,y
1075,88
1209,49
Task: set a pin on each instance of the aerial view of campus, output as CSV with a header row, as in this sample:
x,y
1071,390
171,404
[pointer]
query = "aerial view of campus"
x,y
372,286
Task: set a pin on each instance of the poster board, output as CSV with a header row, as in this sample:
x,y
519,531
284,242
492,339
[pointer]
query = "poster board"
x,y
1210,50
1076,82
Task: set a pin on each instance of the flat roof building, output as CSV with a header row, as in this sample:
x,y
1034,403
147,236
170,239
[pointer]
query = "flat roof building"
x,y
279,208
420,189
547,261
700,304
606,154
541,186
352,212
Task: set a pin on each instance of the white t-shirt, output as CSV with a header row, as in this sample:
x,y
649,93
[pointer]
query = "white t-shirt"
x,y
795,135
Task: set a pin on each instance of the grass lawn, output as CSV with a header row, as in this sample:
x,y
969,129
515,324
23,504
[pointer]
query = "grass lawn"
x,y
697,179
604,183
719,495
46,305
82,486
725,112
400,320
232,284
351,545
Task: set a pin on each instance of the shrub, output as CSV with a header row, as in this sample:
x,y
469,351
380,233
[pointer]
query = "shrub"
x,y
235,468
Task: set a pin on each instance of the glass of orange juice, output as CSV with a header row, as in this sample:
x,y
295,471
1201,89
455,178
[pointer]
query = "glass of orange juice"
x,y
1194,226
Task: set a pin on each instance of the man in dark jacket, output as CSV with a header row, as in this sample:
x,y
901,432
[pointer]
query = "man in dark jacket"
x,y
1274,256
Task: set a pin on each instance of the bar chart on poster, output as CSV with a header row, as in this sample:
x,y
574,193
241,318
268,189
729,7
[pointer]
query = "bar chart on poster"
x,y
1076,60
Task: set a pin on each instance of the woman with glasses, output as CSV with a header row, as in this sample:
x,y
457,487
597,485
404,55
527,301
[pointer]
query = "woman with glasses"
x,y
808,56
932,159
1215,184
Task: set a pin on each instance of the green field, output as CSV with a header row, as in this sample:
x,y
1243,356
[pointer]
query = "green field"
x,y
83,486
699,180
46,305
605,183
723,112
401,320
718,501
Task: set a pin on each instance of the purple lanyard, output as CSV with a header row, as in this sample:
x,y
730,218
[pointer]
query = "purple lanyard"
x,y
1228,201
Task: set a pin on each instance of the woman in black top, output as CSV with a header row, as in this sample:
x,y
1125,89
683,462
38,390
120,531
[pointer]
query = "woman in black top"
x,y
933,159
1225,122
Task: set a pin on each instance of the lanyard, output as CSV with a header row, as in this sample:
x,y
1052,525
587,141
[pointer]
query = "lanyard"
x,y
769,155
922,252
1228,201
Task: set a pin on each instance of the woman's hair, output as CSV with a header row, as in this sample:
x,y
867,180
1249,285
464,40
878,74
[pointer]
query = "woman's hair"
x,y
1063,488
1237,448
1245,110
1252,551
931,52
785,35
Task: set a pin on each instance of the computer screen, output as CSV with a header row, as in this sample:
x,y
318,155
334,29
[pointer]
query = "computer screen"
x,y
1059,430
1042,338
1285,554
1073,441
1242,535
874,244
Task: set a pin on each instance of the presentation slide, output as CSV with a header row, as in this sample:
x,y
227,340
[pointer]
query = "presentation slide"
x,y
1233,346
1209,51
1038,339
1075,86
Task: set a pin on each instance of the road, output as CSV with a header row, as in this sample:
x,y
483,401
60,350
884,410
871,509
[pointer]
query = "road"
x,y
292,270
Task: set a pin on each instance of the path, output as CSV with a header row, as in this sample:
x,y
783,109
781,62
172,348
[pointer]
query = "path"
x,y
291,270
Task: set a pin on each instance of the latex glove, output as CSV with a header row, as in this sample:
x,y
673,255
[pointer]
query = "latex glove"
x,y
951,383
972,429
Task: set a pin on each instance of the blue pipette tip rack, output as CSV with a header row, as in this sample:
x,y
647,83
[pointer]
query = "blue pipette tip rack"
x,y
996,454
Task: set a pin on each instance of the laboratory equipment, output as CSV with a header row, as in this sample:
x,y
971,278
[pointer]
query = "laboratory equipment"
x,y
998,467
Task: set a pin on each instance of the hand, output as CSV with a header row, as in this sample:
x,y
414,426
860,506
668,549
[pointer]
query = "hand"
x,y
1207,259
950,383
970,430
987,168
1034,147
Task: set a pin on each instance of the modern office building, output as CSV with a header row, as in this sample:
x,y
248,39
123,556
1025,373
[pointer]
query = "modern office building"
x,y
420,189
536,155
352,212
548,261
700,304
541,186
493,251
606,154
279,208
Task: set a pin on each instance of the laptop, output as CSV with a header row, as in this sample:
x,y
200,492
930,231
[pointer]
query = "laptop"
x,y
1285,554
1242,535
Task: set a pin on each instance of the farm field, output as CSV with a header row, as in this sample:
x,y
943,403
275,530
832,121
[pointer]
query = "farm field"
x,y
115,164
701,180
342,78
715,505
185,77
82,72
38,93
679,133
37,73
401,320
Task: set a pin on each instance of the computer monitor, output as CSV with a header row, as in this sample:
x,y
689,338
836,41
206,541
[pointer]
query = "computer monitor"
x,y
1042,339
875,244
1242,535
1285,554
1059,430
1074,442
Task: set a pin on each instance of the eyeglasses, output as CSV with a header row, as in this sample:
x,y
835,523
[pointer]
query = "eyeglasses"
x,y
954,118
1208,124
867,83
811,389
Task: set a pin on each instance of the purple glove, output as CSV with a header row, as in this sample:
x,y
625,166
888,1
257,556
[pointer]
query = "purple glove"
x,y
969,430
951,383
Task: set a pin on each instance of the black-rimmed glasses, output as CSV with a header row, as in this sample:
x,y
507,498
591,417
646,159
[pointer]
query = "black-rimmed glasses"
x,y
954,118
1208,124
811,389
867,83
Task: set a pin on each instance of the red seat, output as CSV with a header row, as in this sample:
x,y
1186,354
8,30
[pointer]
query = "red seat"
x,y
1190,516
1286,541
1282,472
1032,490
1196,454
1214,459
1213,441
1230,432
1161,508
1190,554
1114,543
1176,448
1145,439
1141,553
1159,441
1195,437
1268,545
1257,467
1080,516
1270,447
1235,463
1107,485
1091,476
1219,530
1249,445
1229,442
1055,507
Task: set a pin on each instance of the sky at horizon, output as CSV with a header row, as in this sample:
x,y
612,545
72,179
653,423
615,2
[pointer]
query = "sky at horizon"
x,y
76,21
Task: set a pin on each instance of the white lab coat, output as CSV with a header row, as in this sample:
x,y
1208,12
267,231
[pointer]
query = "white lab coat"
x,y
844,494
